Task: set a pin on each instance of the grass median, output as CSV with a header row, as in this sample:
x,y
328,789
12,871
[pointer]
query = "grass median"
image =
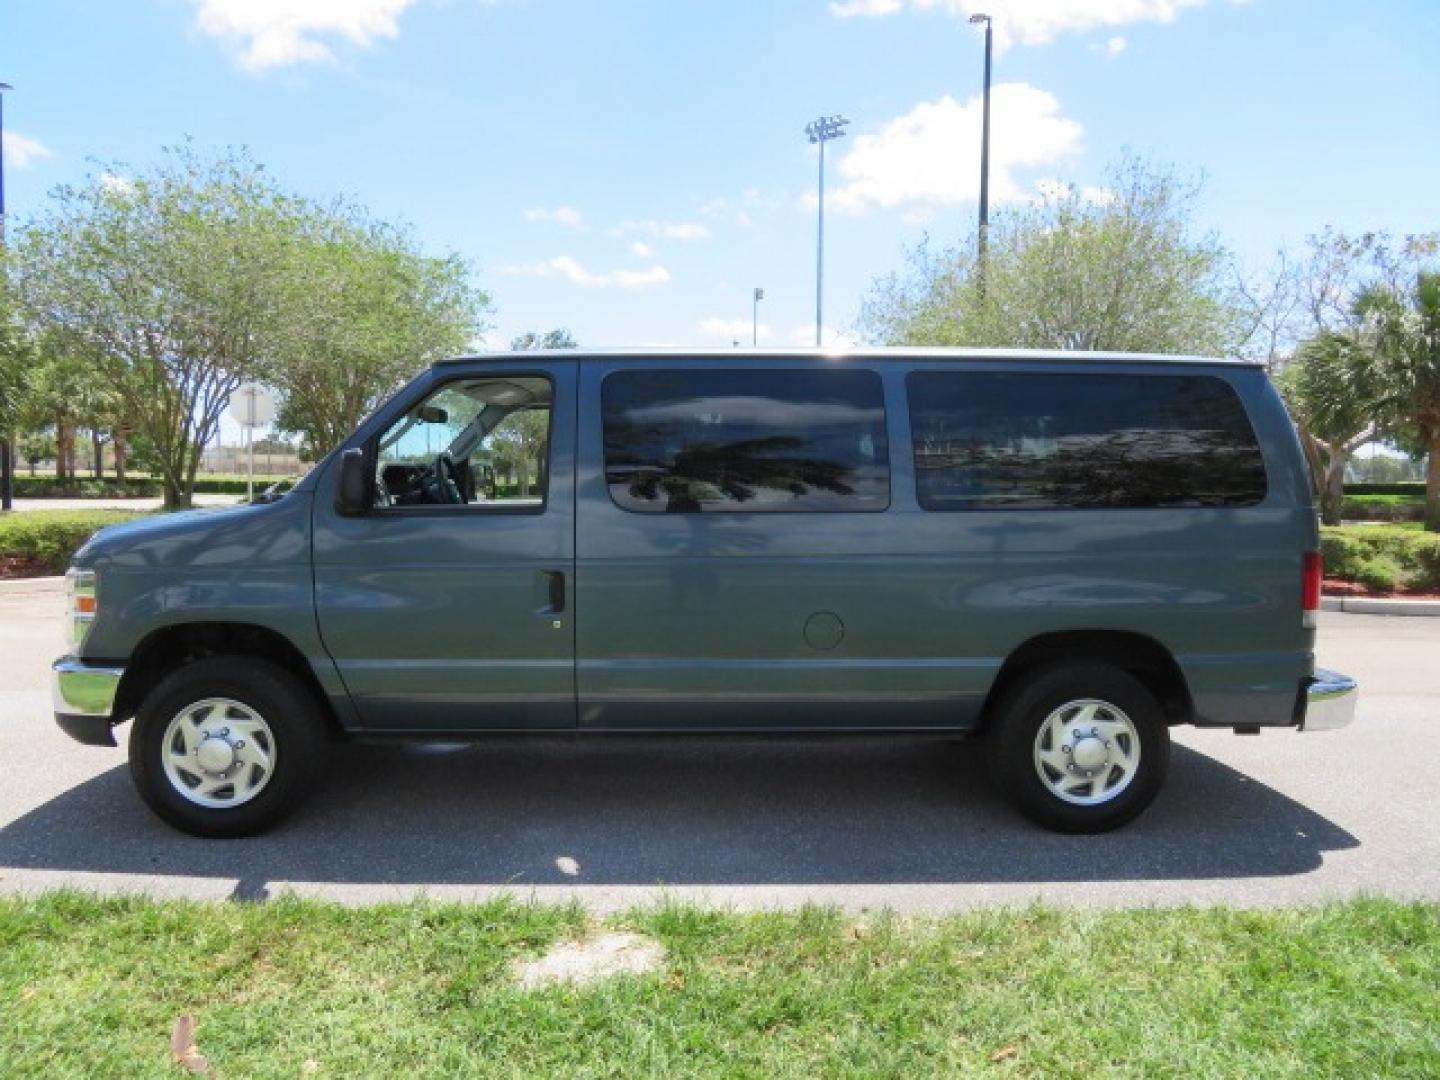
x,y
92,987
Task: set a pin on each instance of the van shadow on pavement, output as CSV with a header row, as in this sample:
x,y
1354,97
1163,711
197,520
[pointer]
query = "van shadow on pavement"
x,y
683,811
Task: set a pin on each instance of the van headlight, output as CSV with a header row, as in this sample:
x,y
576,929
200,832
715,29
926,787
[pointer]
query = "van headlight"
x,y
81,603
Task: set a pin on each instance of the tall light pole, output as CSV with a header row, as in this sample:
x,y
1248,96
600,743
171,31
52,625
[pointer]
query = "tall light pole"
x,y
985,147
7,453
755,317
822,131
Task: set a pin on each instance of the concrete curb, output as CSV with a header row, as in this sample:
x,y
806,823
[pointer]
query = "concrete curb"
x,y
1375,605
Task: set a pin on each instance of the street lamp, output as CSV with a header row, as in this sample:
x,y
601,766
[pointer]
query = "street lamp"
x,y
822,131
755,317
7,472
984,146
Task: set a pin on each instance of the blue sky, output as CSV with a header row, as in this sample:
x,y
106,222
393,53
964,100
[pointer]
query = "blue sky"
x,y
632,169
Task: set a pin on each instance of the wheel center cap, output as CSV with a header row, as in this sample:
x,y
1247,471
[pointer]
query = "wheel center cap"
x,y
215,755
1090,752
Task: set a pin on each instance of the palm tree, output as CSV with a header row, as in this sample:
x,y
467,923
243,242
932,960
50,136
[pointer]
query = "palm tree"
x,y
1407,329
1336,394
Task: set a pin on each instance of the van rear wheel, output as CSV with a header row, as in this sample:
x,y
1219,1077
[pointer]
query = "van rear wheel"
x,y
1079,748
226,746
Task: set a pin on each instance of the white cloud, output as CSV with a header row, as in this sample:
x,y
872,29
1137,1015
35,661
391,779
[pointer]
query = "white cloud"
x,y
732,329
274,33
561,215
119,185
641,250
846,9
1031,22
931,155
667,230
21,151
1115,46
569,269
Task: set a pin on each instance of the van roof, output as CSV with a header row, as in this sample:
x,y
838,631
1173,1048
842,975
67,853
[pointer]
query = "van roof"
x,y
860,353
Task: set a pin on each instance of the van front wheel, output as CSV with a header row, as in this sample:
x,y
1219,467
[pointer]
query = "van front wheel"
x,y
226,746
1079,748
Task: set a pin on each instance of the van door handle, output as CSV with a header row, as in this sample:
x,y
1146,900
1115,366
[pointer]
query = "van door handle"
x,y
555,582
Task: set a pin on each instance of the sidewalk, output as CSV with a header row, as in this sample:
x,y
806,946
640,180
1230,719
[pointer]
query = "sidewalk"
x,y
121,504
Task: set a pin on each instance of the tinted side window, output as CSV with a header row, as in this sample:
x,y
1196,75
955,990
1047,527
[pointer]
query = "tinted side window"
x,y
1040,441
757,441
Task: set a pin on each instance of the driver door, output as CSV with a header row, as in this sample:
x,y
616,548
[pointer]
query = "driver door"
x,y
448,606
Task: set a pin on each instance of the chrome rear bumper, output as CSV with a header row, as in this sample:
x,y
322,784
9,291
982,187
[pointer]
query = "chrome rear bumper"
x,y
1329,701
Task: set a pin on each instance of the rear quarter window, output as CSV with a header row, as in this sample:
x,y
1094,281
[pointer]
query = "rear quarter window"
x,y
709,441
987,441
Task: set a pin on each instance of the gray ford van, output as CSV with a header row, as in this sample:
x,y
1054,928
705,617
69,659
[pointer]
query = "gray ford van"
x,y
1064,554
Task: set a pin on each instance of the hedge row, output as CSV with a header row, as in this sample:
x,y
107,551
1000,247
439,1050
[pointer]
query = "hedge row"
x,y
85,487
1415,489
1382,508
51,537
48,487
1382,557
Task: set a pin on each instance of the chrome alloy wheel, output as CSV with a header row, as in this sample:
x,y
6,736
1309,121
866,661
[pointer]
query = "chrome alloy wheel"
x,y
1087,752
218,753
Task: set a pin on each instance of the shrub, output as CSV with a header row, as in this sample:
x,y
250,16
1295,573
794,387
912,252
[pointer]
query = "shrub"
x,y
1414,489
1379,574
1425,552
51,537
1382,508
1373,554
1343,553
48,487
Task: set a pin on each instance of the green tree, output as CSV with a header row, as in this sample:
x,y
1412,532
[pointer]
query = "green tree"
x,y
1407,326
163,288
1317,310
35,447
17,361
1335,394
361,309
1124,271
559,338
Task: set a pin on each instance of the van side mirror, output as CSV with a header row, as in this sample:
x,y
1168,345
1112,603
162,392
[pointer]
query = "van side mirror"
x,y
351,495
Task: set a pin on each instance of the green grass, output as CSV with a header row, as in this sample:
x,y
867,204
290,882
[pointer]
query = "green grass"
x,y
91,987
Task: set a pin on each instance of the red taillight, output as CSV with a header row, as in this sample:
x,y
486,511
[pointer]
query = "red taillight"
x,y
1312,574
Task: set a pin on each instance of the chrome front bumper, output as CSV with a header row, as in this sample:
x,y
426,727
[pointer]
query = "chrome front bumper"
x,y
1329,701
84,699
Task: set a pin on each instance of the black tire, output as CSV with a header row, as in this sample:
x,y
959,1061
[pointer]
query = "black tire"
x,y
296,726
1015,726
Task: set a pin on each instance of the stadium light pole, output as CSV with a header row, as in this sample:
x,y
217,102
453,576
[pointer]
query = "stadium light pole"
x,y
984,146
822,131
7,451
755,317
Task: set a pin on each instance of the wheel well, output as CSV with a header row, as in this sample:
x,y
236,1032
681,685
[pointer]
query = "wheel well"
x,y
1140,656
171,647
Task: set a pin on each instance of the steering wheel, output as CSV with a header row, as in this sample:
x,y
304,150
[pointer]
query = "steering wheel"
x,y
447,479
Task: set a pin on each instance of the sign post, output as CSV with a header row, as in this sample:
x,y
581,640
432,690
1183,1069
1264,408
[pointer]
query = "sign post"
x,y
251,406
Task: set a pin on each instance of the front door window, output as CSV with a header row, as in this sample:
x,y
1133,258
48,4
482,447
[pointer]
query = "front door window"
x,y
478,443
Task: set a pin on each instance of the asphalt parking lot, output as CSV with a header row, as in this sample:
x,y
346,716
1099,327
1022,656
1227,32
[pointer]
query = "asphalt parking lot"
x,y
910,824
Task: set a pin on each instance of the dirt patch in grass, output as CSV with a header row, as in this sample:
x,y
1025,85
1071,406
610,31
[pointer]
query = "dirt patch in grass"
x,y
600,957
